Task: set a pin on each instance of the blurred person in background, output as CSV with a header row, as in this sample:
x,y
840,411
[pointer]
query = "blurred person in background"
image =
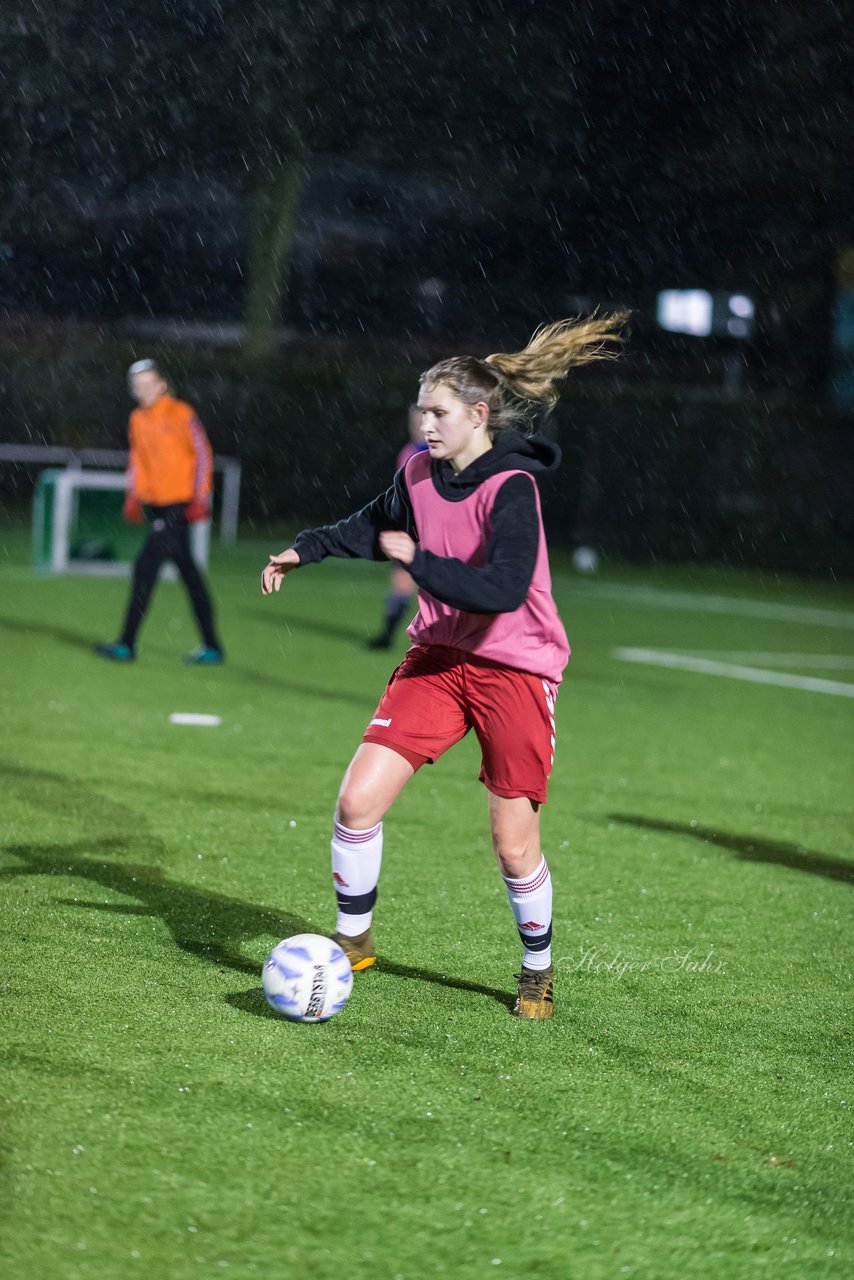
x,y
169,487
402,585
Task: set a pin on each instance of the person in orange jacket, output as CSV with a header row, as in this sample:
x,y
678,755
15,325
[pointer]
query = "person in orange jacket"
x,y
169,486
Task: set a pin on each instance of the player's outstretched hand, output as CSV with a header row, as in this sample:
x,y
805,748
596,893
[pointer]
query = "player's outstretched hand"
x,y
284,562
398,546
132,510
197,511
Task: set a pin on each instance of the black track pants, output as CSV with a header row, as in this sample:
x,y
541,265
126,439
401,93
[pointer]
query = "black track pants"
x,y
168,539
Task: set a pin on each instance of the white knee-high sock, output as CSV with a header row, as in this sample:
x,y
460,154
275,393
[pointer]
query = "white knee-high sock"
x,y
531,903
356,860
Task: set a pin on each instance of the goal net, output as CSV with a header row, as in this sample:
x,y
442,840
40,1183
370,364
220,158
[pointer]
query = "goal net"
x,y
78,526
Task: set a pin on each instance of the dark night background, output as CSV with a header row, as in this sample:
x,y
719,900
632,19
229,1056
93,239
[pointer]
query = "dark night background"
x,y
298,206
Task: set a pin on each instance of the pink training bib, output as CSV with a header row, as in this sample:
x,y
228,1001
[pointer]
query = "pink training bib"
x,y
531,638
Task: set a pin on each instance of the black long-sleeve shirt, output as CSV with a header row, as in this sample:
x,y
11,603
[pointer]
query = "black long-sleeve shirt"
x,y
498,586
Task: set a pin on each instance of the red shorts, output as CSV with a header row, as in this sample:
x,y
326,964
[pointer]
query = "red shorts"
x,y
437,694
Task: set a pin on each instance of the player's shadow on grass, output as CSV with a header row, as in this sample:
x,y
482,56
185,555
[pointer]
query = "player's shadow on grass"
x,y
319,627
210,926
28,627
458,984
252,675
252,1001
750,848
77,639
255,675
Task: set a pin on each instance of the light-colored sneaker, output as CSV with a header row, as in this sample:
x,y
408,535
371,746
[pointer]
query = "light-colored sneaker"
x,y
536,994
359,950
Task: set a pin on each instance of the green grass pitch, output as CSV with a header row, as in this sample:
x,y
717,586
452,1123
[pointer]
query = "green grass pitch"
x,y
687,1112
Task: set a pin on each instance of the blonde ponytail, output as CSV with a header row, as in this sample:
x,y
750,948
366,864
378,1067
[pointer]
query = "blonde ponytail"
x,y
513,384
554,350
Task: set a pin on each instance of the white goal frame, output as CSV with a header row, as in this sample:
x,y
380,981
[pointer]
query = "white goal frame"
x,y
76,459
68,484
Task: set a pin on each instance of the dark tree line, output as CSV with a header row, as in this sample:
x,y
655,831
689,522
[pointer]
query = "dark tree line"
x,y
613,143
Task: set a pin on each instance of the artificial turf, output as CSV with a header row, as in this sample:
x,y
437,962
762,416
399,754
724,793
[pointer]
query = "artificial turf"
x,y
687,1112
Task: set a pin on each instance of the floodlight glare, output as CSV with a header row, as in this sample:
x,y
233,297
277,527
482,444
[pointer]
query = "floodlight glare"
x,y
685,311
741,306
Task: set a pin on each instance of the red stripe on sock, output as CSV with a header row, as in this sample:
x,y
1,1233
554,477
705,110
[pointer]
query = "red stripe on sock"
x,y
355,837
529,886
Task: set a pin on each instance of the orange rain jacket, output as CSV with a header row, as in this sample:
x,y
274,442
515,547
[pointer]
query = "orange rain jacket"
x,y
171,460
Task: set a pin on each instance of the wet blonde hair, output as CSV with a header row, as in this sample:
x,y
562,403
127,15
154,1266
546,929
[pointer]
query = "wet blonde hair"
x,y
515,384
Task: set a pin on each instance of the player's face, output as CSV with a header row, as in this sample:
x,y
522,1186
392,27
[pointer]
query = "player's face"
x,y
147,388
455,431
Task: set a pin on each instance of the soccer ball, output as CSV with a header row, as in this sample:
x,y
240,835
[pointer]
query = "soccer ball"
x,y
585,560
307,978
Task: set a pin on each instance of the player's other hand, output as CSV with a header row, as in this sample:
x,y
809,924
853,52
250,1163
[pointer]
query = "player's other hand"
x,y
284,562
132,509
197,511
398,546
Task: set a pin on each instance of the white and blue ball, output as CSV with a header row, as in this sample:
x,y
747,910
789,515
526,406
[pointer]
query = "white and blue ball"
x,y
307,978
585,560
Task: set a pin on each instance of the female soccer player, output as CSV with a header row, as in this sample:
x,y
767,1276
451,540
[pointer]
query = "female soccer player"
x,y
488,648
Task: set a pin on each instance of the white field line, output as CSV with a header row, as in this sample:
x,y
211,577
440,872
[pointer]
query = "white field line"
x,y
733,671
196,718
818,661
698,602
